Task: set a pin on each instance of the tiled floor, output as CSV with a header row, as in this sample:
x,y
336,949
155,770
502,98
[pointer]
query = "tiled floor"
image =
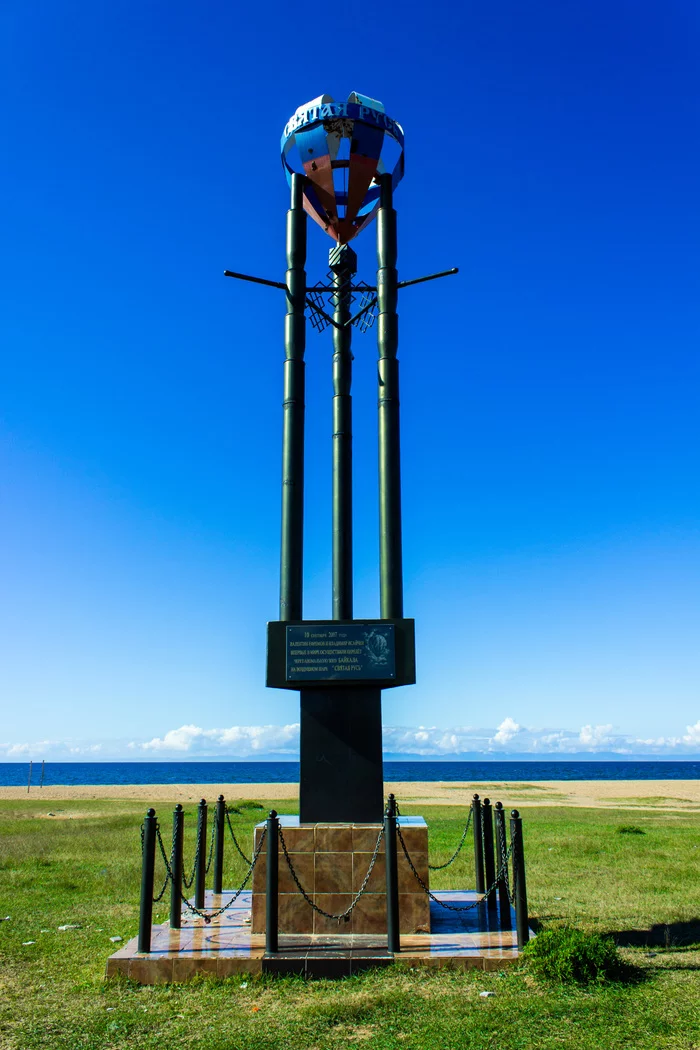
x,y
471,939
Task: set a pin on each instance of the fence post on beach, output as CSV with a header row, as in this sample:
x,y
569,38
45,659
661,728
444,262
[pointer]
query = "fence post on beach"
x,y
176,861
272,884
29,782
501,850
478,845
392,878
201,855
148,864
519,888
220,820
489,866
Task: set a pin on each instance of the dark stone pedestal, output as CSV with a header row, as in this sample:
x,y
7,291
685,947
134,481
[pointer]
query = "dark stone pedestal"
x,y
341,755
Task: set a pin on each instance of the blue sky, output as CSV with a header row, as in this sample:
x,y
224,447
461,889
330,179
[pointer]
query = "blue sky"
x,y
549,392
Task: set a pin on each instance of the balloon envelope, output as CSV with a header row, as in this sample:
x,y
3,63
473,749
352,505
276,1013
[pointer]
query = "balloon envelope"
x,y
341,148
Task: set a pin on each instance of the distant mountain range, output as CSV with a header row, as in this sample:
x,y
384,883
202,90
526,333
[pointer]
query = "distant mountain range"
x,y
469,756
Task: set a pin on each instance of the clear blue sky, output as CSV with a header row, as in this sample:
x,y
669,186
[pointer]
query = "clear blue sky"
x,y
549,392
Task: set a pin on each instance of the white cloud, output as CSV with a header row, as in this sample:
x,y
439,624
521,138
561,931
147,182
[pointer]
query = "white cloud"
x,y
430,740
595,736
239,741
692,735
506,731
18,749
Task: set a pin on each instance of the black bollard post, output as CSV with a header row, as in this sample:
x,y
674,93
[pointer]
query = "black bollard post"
x,y
201,855
176,884
478,845
519,887
148,863
220,819
501,849
489,865
272,884
392,878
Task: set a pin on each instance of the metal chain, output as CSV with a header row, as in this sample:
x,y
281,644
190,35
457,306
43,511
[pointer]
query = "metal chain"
x,y
211,843
167,870
345,915
235,840
160,895
167,875
444,904
187,883
439,867
208,916
505,855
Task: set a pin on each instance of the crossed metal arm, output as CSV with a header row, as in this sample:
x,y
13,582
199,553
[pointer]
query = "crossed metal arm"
x,y
321,312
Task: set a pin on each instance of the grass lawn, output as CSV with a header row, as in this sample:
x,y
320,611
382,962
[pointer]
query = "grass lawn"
x,y
81,867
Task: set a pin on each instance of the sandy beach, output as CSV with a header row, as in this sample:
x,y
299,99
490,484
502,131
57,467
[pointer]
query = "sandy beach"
x,y
680,795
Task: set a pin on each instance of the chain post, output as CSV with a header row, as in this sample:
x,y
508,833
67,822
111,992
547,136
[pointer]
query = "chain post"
x,y
220,820
272,885
478,846
176,868
489,862
392,878
519,887
501,851
148,864
201,855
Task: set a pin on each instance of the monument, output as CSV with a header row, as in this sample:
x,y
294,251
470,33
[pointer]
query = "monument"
x,y
343,162
345,865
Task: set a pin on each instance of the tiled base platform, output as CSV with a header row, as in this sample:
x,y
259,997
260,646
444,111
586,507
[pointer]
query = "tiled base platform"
x,y
461,940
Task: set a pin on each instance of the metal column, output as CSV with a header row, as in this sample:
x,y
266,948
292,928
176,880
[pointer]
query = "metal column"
x,y
390,544
343,264
292,547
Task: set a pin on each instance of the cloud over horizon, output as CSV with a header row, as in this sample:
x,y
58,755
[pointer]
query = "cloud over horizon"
x,y
241,742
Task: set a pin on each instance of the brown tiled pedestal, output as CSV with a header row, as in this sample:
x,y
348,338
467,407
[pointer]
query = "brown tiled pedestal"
x,y
331,862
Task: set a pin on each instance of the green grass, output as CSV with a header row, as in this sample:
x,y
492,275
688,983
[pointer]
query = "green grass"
x,y
82,866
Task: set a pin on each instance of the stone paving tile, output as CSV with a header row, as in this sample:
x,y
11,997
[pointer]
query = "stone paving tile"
x,y
227,946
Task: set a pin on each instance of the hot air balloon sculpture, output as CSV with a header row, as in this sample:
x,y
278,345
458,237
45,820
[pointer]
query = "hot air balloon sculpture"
x,y
343,161
342,148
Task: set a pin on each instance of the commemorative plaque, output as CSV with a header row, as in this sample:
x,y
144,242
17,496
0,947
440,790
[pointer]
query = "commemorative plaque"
x,y
351,652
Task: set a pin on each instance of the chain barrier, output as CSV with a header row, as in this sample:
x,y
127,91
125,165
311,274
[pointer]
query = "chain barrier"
x,y
187,883
167,878
505,857
444,904
208,916
439,867
235,840
345,915
211,843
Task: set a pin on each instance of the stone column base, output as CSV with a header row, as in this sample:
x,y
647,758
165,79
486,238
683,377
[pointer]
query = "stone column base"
x,y
331,862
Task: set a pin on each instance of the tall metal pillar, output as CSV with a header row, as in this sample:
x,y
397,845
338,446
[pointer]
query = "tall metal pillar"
x,y
343,264
390,544
292,547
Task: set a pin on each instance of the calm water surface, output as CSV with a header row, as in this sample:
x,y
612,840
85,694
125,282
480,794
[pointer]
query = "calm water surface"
x,y
14,774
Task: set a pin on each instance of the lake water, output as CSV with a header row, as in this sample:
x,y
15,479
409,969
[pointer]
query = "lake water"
x,y
15,774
